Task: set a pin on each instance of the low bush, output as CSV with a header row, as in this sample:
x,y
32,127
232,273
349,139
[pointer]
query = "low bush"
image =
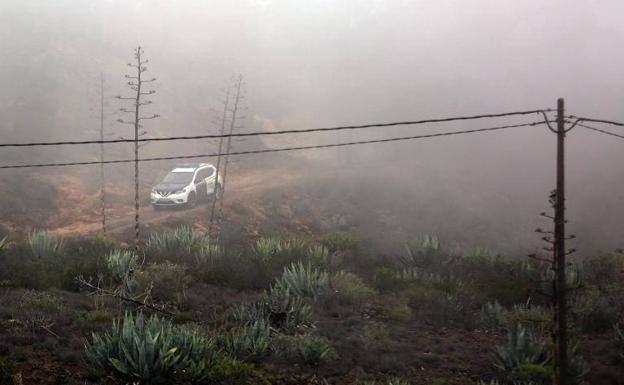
x,y
39,310
224,371
7,371
165,281
375,334
340,243
350,288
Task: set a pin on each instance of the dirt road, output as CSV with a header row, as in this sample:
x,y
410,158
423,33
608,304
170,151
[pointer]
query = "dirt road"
x,y
241,186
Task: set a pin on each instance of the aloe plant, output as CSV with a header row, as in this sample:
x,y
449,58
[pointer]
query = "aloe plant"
x,y
493,315
44,244
303,280
314,349
145,349
249,343
182,242
123,265
522,348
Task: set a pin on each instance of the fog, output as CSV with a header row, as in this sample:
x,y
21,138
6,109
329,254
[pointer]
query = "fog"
x,y
309,63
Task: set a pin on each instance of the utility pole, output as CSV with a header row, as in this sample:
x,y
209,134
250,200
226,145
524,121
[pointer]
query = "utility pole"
x,y
102,180
136,83
229,139
560,364
222,132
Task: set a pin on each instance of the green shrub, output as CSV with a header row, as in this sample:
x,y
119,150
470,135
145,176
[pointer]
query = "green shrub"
x,y
340,242
39,310
146,349
45,245
375,334
224,371
303,280
165,281
7,371
396,309
350,288
313,349
250,342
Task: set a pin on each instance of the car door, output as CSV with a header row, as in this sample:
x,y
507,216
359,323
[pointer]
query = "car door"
x,y
200,184
210,179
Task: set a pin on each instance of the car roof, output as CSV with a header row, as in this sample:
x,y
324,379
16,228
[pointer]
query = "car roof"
x,y
192,166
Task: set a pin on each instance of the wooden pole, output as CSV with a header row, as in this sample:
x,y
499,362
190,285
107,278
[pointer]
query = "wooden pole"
x,y
560,359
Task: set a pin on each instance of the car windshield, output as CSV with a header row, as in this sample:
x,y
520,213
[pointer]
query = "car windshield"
x,y
178,178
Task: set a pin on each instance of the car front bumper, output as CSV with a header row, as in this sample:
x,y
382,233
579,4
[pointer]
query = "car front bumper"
x,y
169,200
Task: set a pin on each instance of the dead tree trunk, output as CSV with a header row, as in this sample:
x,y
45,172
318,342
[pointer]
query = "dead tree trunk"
x,y
136,84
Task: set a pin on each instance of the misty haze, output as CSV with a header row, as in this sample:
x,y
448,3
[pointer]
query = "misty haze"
x,y
316,192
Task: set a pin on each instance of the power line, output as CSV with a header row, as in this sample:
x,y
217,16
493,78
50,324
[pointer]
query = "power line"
x,y
264,151
280,132
599,130
582,119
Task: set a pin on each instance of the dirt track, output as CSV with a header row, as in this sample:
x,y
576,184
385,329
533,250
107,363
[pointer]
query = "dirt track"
x,y
242,186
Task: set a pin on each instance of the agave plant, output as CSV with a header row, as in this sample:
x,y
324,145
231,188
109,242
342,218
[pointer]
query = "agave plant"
x,y
208,252
274,253
3,243
249,343
145,349
303,280
183,242
44,244
247,312
286,311
313,349
493,315
522,348
123,265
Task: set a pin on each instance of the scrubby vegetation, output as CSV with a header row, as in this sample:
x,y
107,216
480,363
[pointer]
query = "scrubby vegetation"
x,y
192,311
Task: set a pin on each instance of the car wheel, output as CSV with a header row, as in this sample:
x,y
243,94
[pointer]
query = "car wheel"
x,y
192,200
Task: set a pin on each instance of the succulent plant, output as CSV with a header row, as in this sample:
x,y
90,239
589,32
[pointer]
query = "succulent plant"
x,y
123,266
248,343
313,349
521,348
146,349
303,280
44,244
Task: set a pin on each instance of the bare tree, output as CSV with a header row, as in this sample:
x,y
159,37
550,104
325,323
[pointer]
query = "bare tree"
x,y
215,192
136,84
102,176
234,112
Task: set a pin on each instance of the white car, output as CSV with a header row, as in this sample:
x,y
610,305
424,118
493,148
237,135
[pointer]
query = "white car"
x,y
186,185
